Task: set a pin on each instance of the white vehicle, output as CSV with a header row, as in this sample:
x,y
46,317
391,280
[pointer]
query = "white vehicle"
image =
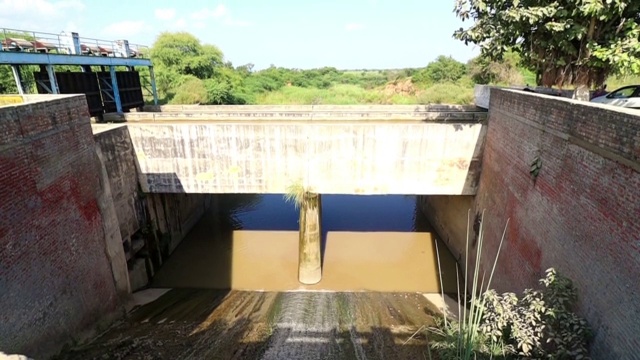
x,y
627,96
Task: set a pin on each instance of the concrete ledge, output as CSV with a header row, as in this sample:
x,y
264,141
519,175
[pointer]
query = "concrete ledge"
x,y
312,108
482,93
17,100
301,115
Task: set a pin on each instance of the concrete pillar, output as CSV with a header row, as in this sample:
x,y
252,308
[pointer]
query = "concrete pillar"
x,y
309,260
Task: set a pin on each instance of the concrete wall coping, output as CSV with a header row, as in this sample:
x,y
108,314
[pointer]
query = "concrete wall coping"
x,y
304,116
15,100
311,108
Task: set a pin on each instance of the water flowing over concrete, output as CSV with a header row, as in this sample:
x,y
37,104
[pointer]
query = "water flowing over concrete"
x,y
207,324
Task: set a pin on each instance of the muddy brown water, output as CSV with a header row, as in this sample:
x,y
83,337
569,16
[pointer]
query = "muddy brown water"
x,y
235,295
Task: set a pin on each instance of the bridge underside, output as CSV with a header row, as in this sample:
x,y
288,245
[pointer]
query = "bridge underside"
x,y
389,150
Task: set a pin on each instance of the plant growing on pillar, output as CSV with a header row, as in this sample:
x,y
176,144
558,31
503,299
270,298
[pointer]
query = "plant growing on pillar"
x,y
295,193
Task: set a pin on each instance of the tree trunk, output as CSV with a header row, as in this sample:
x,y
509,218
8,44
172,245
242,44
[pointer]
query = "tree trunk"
x,y
309,257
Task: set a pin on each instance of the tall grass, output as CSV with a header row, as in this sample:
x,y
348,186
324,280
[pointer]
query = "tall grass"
x,y
463,339
615,82
447,93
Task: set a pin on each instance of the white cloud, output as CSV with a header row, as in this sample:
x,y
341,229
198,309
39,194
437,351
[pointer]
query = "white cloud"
x,y
219,13
353,26
124,29
165,14
207,13
40,15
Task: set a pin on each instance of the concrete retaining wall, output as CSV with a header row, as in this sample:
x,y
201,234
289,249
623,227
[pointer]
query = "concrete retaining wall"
x,y
336,158
155,223
57,240
580,215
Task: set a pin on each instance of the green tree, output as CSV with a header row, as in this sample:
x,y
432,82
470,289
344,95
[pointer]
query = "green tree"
x,y
505,71
566,42
442,69
183,54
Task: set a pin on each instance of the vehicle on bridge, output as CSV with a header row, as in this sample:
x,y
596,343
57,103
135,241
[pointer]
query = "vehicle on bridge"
x,y
626,96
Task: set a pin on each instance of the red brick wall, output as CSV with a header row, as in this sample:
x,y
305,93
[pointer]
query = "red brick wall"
x,y
582,213
55,278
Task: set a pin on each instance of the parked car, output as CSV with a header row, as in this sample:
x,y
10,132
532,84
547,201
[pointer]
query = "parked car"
x,y
626,96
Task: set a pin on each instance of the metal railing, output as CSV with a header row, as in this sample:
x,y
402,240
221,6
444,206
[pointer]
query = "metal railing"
x,y
63,43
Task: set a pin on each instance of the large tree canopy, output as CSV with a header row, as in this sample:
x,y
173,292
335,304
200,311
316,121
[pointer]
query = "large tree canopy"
x,y
183,54
566,42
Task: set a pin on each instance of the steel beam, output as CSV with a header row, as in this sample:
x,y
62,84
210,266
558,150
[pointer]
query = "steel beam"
x,y
116,90
18,78
52,80
154,90
28,58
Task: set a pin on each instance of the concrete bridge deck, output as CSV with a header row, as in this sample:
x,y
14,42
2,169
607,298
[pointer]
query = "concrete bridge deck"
x,y
328,149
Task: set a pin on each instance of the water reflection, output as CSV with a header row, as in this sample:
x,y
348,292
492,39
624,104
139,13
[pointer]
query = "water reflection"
x,y
339,213
369,243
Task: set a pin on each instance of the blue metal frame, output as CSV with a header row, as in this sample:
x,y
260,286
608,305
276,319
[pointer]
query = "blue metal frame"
x,y
29,58
116,90
154,90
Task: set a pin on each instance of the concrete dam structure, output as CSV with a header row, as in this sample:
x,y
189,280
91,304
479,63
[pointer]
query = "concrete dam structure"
x,y
335,150
81,202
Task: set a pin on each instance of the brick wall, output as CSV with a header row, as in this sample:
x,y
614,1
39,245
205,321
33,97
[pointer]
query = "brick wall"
x,y
55,273
582,213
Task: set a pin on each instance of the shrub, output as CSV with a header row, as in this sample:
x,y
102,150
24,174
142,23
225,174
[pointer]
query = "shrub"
x,y
541,324
447,93
191,91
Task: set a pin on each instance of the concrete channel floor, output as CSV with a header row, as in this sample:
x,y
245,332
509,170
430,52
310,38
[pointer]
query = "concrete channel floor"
x,y
218,324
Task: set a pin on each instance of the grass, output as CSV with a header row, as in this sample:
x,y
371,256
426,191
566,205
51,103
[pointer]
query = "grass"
x,y
615,82
463,339
447,93
295,193
335,95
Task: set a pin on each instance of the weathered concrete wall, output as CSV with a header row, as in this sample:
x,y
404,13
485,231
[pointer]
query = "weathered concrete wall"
x,y
580,215
450,215
56,247
156,223
120,163
340,157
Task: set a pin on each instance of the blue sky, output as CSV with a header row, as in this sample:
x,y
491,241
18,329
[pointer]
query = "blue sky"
x,y
347,34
